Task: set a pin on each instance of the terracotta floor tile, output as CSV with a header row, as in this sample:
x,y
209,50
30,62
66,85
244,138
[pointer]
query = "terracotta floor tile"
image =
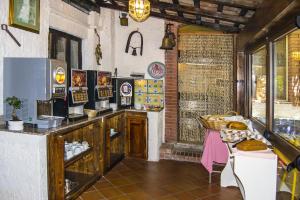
x,y
123,197
111,192
102,185
93,195
130,188
134,179
185,196
140,196
120,182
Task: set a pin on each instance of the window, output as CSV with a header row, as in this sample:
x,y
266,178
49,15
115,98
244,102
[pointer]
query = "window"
x,y
259,84
287,87
63,46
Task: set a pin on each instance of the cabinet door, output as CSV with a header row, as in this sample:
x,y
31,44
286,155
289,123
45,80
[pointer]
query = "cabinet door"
x,y
137,137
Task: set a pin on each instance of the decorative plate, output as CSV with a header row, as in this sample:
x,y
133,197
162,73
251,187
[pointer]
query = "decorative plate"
x,y
126,89
157,70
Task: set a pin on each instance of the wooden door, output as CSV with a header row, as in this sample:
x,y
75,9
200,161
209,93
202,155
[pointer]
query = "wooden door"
x,y
137,137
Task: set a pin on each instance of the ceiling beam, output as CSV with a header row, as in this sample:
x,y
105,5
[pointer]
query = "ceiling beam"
x,y
176,2
197,9
242,13
228,29
231,4
194,11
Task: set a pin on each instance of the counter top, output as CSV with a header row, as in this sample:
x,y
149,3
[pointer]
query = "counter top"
x,y
68,125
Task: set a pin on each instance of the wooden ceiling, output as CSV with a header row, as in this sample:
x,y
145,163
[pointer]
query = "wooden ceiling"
x,y
229,16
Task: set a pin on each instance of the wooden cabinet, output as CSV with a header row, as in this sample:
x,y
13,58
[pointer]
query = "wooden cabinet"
x,y
114,139
136,135
81,169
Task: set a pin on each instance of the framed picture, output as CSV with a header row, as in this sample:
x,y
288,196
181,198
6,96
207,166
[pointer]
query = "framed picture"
x,y
25,14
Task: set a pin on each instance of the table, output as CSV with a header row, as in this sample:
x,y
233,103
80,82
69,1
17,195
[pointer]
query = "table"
x,y
215,151
255,173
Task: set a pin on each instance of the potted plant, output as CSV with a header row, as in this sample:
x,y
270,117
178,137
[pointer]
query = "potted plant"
x,y
15,124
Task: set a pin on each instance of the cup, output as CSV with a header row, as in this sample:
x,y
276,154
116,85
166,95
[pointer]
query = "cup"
x,y
77,150
68,146
258,137
69,154
85,145
112,131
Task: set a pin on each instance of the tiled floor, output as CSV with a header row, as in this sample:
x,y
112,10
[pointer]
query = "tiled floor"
x,y
166,180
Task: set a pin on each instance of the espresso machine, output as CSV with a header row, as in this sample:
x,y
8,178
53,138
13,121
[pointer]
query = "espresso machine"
x,y
78,94
99,90
41,85
123,92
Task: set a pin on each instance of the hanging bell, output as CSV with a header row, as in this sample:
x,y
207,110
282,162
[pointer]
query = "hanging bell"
x,y
134,52
167,43
172,38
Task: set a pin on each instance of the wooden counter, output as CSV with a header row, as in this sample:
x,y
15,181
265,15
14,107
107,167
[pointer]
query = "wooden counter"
x,y
105,150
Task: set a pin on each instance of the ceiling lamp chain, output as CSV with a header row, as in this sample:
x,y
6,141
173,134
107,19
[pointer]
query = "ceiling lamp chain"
x,y
139,10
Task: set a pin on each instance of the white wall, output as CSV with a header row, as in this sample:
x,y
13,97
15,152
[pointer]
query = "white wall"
x,y
33,45
58,15
153,31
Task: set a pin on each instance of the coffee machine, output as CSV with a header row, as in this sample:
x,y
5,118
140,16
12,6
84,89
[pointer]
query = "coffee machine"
x,y
99,90
78,94
41,85
123,92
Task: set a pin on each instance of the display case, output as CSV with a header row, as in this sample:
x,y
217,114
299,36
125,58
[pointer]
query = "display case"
x,y
76,158
114,140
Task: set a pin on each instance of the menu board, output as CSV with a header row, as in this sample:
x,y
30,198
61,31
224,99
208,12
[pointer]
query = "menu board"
x,y
104,79
79,78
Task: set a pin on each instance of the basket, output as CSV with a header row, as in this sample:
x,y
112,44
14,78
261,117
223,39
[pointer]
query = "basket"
x,y
215,122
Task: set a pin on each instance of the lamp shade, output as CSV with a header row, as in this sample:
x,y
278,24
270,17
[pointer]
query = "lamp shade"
x,y
139,10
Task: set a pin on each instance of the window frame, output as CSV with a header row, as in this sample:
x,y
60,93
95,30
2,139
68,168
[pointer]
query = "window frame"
x,y
52,50
259,125
277,141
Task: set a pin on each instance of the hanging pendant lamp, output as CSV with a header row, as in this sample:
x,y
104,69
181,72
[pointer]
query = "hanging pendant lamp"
x,y
139,10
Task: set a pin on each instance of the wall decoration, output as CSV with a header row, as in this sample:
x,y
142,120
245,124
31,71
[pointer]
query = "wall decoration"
x,y
157,70
25,14
134,48
149,92
98,52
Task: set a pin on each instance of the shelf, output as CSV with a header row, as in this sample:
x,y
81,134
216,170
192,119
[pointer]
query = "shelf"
x,y
77,157
83,181
115,158
115,135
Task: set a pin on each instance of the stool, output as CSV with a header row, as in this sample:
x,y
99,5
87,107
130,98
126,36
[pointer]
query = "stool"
x,y
215,171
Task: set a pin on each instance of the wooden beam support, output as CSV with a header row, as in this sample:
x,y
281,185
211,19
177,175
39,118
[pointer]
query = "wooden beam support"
x,y
230,4
176,2
227,29
197,9
243,12
220,8
193,11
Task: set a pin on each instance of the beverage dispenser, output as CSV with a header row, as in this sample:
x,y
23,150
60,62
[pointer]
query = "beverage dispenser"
x,y
40,83
123,92
78,94
99,90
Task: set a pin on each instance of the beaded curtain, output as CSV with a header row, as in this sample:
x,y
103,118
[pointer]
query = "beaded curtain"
x,y
205,81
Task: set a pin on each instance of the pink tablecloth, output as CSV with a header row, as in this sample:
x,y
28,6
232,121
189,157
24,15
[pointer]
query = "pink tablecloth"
x,y
214,150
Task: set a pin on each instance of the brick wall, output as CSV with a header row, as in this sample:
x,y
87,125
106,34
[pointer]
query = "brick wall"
x,y
171,92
